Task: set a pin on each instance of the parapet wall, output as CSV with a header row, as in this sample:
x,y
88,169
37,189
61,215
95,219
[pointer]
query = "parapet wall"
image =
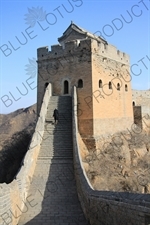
x,y
141,98
105,207
105,50
58,50
141,93
13,196
111,52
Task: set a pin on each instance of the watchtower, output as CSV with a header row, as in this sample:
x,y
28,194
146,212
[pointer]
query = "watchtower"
x,y
98,70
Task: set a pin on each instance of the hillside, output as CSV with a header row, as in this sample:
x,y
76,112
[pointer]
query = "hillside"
x,y
15,122
120,163
16,130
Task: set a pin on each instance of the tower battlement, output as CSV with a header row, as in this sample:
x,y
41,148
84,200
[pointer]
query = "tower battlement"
x,y
99,48
59,50
110,51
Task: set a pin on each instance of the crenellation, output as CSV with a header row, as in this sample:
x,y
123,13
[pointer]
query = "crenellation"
x,y
70,45
77,47
41,52
107,51
56,48
85,43
110,51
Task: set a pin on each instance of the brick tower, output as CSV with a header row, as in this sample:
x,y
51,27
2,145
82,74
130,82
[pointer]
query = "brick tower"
x,y
98,70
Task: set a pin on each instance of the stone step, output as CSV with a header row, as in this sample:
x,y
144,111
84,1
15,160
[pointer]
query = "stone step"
x,y
48,142
61,119
53,186
48,148
63,152
57,139
54,157
59,126
47,153
47,139
58,133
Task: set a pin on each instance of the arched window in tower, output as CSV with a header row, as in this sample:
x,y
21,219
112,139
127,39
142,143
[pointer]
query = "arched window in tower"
x,y
110,85
133,103
126,87
80,83
66,87
118,87
100,83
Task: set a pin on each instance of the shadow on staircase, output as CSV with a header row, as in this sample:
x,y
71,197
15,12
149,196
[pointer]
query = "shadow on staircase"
x,y
52,198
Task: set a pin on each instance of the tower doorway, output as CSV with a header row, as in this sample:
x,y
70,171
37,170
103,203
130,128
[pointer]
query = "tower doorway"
x,y
66,87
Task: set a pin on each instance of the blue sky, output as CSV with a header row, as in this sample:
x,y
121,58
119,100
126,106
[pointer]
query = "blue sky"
x,y
19,41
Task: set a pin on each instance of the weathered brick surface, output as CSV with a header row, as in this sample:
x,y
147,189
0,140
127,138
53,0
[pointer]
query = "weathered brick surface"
x,y
103,207
112,108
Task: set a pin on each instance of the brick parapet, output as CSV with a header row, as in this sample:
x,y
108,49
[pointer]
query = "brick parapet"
x,y
106,50
13,195
103,207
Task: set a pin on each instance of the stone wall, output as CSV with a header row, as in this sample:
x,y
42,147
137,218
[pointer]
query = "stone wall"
x,y
104,207
13,195
68,64
142,98
112,104
137,111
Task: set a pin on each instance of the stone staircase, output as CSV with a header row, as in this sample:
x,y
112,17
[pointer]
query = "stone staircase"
x,y
52,198
58,138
